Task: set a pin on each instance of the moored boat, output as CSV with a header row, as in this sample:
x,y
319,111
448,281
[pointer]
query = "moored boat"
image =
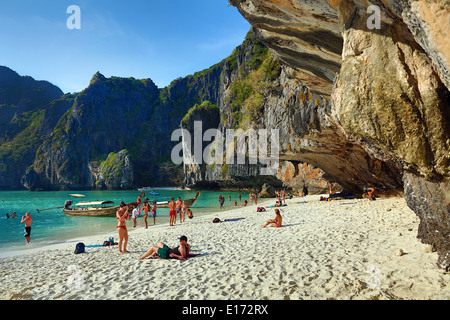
x,y
91,208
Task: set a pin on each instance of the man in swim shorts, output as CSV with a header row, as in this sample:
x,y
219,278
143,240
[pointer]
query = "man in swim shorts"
x,y
154,212
27,219
172,212
178,208
145,208
164,252
134,215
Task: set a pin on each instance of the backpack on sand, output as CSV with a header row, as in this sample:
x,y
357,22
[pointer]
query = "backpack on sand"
x,y
79,248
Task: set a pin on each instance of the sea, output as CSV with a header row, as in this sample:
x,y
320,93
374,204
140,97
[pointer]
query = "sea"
x,y
52,226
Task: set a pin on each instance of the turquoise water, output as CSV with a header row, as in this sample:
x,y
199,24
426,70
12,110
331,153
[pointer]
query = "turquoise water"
x,y
53,226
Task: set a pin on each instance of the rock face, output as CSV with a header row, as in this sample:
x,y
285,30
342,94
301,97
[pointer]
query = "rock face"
x,y
304,34
115,173
115,134
24,102
299,175
382,117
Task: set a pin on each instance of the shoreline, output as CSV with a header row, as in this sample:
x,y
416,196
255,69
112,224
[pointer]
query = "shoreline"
x,y
44,236
341,249
62,244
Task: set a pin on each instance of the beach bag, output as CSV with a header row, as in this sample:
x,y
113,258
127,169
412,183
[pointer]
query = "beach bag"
x,y
79,248
216,220
260,209
109,242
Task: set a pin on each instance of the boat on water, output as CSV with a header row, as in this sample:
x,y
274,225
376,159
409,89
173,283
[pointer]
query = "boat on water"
x,y
91,208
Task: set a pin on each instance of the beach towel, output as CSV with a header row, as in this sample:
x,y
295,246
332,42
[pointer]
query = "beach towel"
x,y
271,206
216,220
235,219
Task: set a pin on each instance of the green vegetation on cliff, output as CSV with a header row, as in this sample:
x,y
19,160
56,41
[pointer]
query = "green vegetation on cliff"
x,y
205,107
248,92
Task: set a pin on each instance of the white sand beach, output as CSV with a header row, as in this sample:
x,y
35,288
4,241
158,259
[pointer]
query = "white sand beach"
x,y
342,249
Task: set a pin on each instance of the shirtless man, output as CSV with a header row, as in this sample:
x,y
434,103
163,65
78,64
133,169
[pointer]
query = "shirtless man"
x,y
154,212
172,213
163,251
179,203
28,220
145,208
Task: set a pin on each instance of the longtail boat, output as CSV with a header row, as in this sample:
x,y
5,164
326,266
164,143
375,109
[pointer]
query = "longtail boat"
x,y
91,208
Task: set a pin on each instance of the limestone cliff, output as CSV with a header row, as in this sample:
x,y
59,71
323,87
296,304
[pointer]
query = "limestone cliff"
x,y
24,103
382,110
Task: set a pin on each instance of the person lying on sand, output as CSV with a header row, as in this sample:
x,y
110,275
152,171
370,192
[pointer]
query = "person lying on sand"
x,y
276,222
163,251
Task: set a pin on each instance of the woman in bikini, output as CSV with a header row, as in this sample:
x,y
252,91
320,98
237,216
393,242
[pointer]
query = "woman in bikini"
x,y
122,216
276,222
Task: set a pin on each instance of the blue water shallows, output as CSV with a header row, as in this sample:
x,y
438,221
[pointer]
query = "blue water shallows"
x,y
53,226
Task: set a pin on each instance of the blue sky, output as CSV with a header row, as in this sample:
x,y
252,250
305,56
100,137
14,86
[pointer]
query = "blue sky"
x,y
157,39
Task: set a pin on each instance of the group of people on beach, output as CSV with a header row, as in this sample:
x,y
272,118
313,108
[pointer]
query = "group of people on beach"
x,y
125,212
281,198
180,208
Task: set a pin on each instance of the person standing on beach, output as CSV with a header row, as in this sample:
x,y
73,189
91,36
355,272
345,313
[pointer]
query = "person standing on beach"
x,y
154,212
134,215
183,210
145,208
179,203
172,212
122,215
221,202
27,219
